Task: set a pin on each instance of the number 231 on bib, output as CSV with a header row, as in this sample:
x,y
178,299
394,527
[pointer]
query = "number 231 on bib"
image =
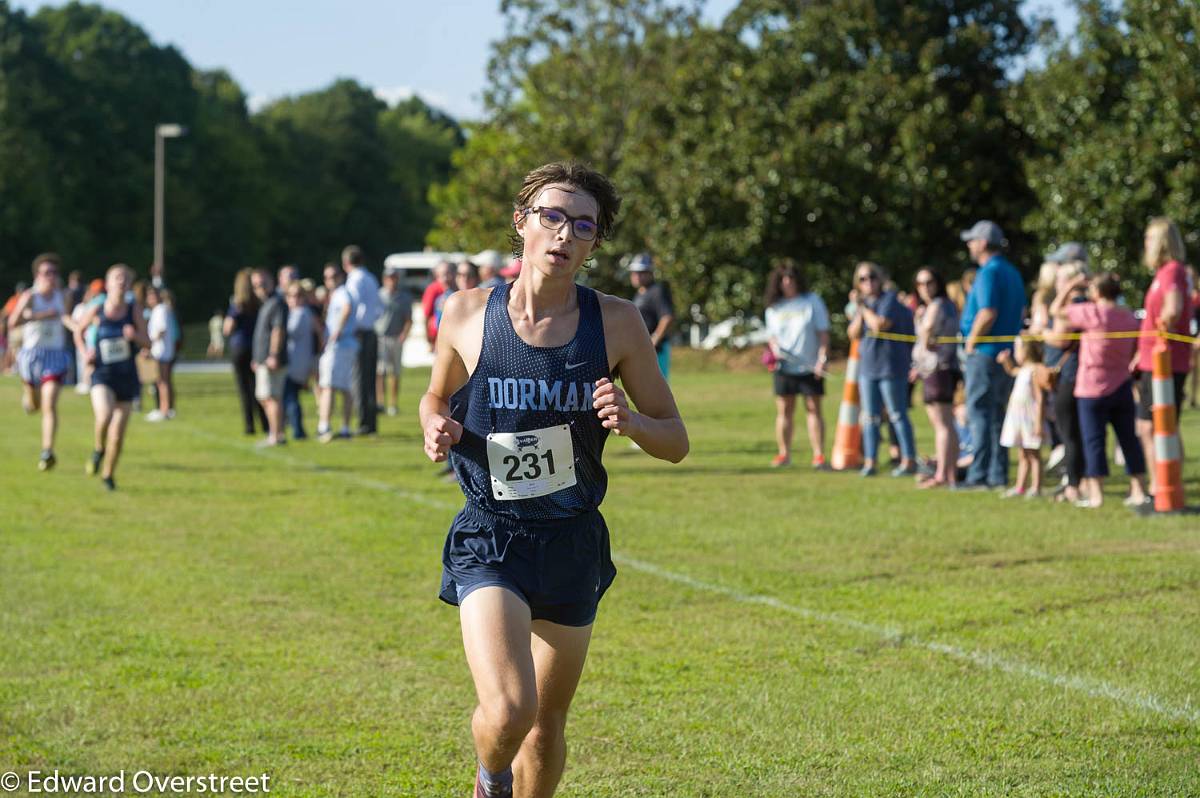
x,y
525,465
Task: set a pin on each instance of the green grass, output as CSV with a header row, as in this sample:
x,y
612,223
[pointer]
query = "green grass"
x,y
771,633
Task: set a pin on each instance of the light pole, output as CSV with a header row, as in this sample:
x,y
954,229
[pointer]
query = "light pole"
x,y
161,133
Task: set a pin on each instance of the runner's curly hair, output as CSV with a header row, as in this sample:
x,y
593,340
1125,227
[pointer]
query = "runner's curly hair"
x,y
578,176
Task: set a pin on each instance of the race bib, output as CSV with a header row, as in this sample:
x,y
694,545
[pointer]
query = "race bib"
x,y
114,350
525,465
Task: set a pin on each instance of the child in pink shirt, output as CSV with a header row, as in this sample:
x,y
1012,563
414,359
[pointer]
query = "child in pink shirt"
x,y
1104,385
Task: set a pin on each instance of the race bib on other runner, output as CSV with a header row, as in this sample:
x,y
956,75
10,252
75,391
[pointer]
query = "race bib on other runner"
x,y
525,465
114,350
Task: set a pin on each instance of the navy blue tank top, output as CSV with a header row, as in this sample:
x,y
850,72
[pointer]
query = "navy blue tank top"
x,y
541,394
109,329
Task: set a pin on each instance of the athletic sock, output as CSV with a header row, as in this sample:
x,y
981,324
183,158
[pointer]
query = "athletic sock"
x,y
496,785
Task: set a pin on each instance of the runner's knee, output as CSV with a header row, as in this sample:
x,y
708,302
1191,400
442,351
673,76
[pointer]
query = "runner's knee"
x,y
510,718
549,731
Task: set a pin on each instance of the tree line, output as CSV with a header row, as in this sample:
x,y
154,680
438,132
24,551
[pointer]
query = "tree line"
x,y
829,132
841,130
81,90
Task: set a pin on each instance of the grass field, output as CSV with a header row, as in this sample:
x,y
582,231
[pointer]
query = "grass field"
x,y
770,633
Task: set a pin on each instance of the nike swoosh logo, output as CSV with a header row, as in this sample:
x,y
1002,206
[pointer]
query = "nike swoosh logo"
x,y
572,366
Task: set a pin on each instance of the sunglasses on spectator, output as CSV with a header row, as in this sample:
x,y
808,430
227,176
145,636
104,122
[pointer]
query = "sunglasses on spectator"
x,y
867,278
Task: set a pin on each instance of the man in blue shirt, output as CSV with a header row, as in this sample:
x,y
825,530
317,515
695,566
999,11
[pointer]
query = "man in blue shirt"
x,y
995,307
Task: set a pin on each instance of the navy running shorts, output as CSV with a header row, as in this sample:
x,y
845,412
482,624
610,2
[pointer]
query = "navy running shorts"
x,y
561,569
125,387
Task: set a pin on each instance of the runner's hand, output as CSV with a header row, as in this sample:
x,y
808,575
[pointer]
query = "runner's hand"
x,y
129,331
90,357
612,406
441,432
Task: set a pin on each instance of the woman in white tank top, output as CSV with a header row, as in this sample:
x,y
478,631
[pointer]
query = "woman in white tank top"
x,y
43,361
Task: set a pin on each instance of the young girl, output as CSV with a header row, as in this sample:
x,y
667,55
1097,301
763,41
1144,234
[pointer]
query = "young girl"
x,y
1026,416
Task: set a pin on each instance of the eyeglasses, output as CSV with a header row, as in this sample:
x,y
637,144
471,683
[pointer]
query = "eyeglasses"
x,y
553,219
867,278
925,282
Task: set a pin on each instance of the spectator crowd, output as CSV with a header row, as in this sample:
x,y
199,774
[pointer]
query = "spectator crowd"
x,y
1001,372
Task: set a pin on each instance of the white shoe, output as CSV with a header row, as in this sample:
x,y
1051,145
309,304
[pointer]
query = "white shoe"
x,y
171,413
155,415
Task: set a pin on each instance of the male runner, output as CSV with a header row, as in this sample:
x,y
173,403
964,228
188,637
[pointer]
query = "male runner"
x,y
522,400
43,360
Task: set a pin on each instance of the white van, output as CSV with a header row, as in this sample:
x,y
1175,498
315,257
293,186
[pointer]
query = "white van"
x,y
417,270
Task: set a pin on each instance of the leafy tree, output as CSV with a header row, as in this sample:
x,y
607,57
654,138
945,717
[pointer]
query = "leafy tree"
x,y
81,90
344,168
115,86
571,80
1115,115
825,131
420,141
30,218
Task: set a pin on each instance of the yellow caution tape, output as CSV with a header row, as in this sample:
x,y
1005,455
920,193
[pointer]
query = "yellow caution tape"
x,y
1003,339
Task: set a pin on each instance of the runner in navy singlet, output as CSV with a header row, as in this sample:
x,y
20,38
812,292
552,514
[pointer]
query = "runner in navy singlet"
x,y
522,399
120,330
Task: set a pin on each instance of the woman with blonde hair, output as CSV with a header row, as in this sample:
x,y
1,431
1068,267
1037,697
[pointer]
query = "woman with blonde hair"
x,y
239,330
1043,295
1167,306
884,364
935,360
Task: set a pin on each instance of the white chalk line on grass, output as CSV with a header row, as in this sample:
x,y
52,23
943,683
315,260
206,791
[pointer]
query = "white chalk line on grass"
x,y
1092,687
277,454
1095,688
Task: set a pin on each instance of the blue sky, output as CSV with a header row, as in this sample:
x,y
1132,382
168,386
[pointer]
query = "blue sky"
x,y
274,48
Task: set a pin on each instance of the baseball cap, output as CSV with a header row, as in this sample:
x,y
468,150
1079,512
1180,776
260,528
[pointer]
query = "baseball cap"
x,y
641,263
985,230
489,257
1070,251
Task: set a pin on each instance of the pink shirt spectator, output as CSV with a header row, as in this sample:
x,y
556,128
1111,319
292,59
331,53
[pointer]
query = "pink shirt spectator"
x,y
1170,275
1103,362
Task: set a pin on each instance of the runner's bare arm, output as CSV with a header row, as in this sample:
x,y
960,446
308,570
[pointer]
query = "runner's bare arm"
x,y
656,425
461,321
17,317
139,337
85,321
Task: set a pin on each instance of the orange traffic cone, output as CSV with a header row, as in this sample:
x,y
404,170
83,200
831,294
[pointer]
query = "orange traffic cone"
x,y
1168,459
847,443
